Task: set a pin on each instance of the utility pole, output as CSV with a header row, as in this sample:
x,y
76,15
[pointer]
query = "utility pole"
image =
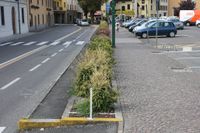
x,y
19,21
157,8
113,23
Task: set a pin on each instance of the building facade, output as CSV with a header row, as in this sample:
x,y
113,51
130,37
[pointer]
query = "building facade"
x,y
40,14
13,17
60,11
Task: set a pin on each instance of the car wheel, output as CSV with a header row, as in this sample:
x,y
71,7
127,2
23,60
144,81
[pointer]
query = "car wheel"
x,y
188,24
172,34
144,35
198,25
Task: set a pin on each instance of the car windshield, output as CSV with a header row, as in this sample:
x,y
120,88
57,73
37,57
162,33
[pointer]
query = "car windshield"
x,y
84,20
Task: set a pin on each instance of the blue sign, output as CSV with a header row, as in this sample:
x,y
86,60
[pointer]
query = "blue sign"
x,y
107,7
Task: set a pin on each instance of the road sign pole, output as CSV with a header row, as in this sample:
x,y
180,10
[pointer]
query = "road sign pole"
x,y
157,8
113,23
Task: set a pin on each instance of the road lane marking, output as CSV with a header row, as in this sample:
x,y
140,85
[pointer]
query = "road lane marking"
x,y
9,84
54,54
62,38
44,61
194,67
15,44
80,35
42,43
55,43
2,65
30,43
61,50
185,49
2,129
187,58
80,43
34,68
171,52
4,44
66,46
67,43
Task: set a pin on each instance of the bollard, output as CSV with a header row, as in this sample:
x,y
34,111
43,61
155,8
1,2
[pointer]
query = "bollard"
x,y
91,94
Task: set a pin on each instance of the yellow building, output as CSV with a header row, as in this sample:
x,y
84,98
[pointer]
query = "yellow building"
x,y
60,11
40,14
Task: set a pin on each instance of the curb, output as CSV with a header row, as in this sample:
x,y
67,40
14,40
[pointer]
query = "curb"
x,y
25,124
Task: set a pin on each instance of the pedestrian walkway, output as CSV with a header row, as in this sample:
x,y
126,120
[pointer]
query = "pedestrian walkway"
x,y
155,99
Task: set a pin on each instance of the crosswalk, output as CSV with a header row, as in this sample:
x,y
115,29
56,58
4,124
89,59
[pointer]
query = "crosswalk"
x,y
54,43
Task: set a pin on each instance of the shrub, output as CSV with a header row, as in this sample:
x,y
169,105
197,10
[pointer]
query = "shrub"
x,y
83,107
103,29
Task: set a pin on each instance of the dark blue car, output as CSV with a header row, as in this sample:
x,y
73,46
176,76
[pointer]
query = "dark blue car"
x,y
164,28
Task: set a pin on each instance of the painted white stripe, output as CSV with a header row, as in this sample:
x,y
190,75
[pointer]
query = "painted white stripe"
x,y
4,44
54,54
54,43
42,43
194,67
187,58
34,68
194,51
44,61
60,50
67,46
15,44
9,84
80,43
67,43
30,43
2,129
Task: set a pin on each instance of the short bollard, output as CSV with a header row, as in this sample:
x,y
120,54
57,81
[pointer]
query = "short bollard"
x,y
90,118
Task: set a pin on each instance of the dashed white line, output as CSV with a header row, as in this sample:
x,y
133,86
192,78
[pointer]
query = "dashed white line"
x,y
187,58
54,43
194,67
61,50
42,43
44,61
30,43
66,46
4,44
34,68
54,54
9,84
15,44
80,43
67,43
2,129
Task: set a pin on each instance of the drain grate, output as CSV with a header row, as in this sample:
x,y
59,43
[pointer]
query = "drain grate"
x,y
180,69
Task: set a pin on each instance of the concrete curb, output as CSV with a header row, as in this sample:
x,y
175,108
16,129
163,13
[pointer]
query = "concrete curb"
x,y
25,124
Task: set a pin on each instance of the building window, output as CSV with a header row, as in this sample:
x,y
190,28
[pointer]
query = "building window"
x,y
123,8
143,1
43,18
30,1
2,15
42,2
64,4
38,2
23,20
142,8
31,20
128,7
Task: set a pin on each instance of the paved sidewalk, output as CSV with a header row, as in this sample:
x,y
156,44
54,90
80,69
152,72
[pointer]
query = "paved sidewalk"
x,y
154,98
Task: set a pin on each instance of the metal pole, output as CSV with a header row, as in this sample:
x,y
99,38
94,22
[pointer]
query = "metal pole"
x,y
157,30
91,103
19,22
113,23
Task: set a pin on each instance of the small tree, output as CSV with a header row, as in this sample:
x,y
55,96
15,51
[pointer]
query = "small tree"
x,y
184,5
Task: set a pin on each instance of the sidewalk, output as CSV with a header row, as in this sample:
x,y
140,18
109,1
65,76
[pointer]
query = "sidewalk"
x,y
154,98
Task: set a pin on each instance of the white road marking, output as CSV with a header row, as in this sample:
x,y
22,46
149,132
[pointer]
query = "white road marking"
x,y
34,68
15,44
42,43
54,43
9,84
170,52
2,129
80,35
4,44
67,43
187,58
66,46
44,61
61,50
186,49
80,43
194,67
54,54
30,43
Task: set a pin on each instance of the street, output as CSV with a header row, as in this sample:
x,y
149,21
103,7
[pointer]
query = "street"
x,y
29,67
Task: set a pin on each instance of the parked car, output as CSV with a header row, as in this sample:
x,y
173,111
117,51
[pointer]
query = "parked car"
x,y
133,23
164,28
177,23
137,24
198,23
146,24
84,22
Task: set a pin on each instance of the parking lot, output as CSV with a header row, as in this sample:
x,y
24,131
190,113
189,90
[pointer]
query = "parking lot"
x,y
184,48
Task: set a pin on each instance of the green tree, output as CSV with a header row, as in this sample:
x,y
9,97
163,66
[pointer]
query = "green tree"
x,y
184,5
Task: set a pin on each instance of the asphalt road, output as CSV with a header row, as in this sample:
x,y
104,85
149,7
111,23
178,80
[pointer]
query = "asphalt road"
x,y
41,59
184,48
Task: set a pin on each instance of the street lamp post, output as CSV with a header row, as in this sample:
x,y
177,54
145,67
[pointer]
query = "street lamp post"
x,y
19,21
113,23
136,8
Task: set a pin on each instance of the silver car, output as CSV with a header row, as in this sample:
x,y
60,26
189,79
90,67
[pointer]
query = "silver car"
x,y
177,23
